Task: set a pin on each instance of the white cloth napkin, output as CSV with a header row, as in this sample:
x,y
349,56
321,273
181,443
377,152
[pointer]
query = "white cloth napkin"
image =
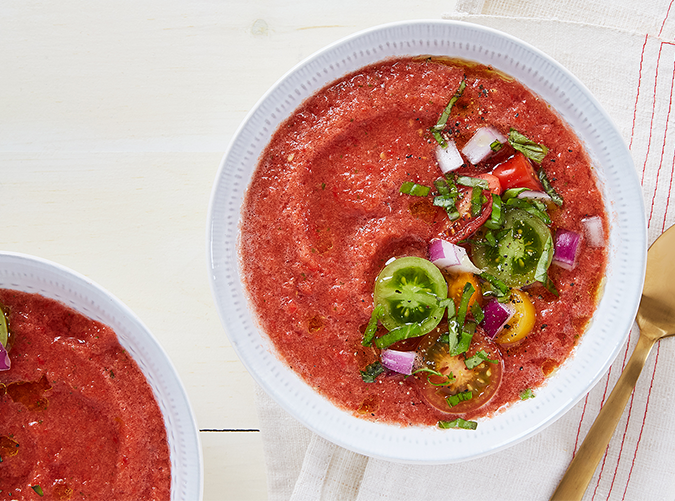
x,y
624,52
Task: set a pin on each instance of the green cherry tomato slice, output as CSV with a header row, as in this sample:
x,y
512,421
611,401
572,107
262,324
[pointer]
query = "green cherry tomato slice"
x,y
450,386
515,258
409,289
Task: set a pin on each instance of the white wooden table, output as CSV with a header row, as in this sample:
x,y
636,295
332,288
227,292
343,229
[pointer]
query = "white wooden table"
x,y
114,116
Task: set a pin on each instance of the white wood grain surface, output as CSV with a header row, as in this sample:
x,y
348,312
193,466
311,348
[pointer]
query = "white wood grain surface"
x,y
114,116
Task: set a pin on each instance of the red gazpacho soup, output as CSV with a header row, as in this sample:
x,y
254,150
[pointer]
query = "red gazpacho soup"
x,y
424,241
78,419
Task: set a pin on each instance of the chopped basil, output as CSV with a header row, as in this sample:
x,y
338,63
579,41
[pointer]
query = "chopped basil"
x,y
465,337
443,119
477,312
452,335
369,375
499,287
478,359
549,189
453,400
418,190
513,193
371,328
399,334
496,145
449,379
496,219
473,182
38,489
525,394
447,196
541,274
467,292
476,201
526,146
458,423
534,207
449,304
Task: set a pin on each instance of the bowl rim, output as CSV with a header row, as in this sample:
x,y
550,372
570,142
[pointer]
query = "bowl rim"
x,y
379,442
33,274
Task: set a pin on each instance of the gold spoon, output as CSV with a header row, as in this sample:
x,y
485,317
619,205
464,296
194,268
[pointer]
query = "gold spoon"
x,y
656,319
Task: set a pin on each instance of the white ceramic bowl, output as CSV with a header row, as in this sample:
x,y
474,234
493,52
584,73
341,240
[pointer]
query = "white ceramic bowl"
x,y
39,276
627,240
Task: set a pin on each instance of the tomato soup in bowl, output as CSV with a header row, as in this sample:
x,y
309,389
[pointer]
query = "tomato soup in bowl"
x,y
416,229
91,405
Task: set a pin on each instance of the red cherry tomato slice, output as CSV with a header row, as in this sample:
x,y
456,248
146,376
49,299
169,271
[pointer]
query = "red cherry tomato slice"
x,y
474,388
517,172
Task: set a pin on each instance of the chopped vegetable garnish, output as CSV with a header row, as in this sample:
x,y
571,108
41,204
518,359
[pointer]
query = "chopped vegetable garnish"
x,y
526,146
443,119
478,359
566,248
465,338
371,328
418,190
497,314
449,378
458,423
541,274
450,257
399,334
496,216
398,361
448,156
483,144
500,288
473,182
548,188
371,372
464,303
525,394
462,396
593,231
477,312
38,489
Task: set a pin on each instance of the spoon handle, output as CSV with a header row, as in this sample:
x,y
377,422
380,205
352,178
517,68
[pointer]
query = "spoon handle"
x,y
582,468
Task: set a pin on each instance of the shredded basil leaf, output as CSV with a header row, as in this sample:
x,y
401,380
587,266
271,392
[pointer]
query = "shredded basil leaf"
x,y
369,375
399,334
500,288
496,219
526,146
525,394
453,400
465,337
496,146
371,328
458,423
418,190
443,119
478,359
477,312
473,182
450,378
513,193
549,189
540,273
467,292
533,207
476,201
38,489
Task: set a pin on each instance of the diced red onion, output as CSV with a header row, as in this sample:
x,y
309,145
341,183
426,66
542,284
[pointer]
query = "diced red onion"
x,y
595,235
450,257
535,195
496,316
5,363
479,147
449,158
566,249
399,361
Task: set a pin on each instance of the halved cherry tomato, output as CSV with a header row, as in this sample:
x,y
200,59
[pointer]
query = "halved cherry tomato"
x,y
410,288
517,172
472,387
522,322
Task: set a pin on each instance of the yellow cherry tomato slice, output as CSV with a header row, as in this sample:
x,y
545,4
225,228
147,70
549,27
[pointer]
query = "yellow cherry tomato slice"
x,y
522,322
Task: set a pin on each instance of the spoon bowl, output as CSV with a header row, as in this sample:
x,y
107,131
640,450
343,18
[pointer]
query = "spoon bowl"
x,y
656,319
